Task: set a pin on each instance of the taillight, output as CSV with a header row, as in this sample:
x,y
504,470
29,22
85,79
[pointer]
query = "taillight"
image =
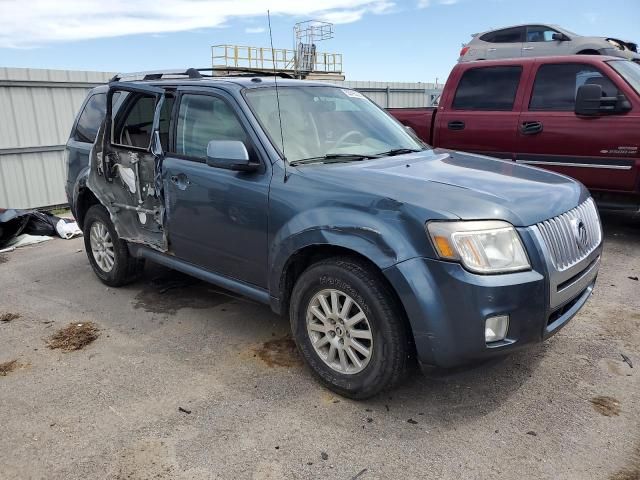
x,y
464,51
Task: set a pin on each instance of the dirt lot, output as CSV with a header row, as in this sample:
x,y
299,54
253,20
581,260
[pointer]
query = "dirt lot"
x,y
183,381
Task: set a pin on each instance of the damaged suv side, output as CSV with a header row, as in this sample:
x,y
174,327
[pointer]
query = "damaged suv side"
x,y
311,199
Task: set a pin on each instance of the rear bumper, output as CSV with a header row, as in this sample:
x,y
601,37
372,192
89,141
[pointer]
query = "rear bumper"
x,y
447,307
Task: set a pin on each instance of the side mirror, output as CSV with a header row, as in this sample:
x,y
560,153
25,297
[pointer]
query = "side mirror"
x,y
560,37
230,155
590,102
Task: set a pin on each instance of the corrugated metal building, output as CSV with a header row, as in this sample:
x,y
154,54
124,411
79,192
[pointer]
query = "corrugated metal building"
x,y
38,107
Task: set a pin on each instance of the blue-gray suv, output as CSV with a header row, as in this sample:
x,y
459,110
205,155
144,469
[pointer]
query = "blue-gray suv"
x,y
310,198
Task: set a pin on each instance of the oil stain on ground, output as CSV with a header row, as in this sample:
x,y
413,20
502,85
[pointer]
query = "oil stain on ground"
x,y
3,259
76,336
169,291
607,406
279,352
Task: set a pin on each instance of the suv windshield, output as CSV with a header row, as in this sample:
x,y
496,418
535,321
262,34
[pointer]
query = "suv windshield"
x,y
322,123
630,71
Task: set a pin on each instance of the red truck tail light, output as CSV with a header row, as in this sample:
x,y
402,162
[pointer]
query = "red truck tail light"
x,y
464,51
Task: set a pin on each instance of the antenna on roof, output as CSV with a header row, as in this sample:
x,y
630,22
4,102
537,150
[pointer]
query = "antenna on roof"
x,y
275,80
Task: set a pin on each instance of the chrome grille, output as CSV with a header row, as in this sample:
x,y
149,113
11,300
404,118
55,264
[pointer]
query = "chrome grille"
x,y
572,236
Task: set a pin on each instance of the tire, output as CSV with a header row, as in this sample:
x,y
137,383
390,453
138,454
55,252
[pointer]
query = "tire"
x,y
109,256
388,348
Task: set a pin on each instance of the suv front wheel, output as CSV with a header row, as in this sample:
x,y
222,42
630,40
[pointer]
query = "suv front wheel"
x,y
108,255
348,327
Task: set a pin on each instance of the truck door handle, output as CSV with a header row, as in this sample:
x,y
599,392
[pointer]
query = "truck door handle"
x,y
531,128
456,125
527,48
491,50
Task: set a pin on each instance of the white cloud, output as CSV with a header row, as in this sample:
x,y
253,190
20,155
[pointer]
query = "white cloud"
x,y
255,30
428,3
40,22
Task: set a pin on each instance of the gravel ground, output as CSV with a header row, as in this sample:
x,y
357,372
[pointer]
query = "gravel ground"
x,y
187,382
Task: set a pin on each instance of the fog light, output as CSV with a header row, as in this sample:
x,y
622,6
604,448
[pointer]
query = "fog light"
x,y
495,328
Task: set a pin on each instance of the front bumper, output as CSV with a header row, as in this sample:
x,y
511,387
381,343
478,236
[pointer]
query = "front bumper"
x,y
447,307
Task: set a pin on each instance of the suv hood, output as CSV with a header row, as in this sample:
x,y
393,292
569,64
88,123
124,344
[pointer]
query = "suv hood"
x,y
453,184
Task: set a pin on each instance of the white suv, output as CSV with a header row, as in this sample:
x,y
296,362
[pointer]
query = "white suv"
x,y
542,41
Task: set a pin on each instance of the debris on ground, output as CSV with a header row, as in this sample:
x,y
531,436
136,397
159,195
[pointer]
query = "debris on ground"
x,y
25,227
627,360
532,433
369,419
8,367
607,406
76,336
324,456
184,410
359,474
412,421
9,316
279,352
633,278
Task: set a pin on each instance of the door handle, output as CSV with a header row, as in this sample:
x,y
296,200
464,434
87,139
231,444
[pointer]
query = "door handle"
x,y
180,180
531,128
528,48
491,50
456,125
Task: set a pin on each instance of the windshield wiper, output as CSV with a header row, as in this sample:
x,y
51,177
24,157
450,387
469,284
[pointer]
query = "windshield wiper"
x,y
398,151
333,158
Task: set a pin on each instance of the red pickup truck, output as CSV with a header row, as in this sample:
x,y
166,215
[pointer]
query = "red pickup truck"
x,y
578,115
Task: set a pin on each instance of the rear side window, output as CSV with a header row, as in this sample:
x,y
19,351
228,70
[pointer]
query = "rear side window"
x,y
488,88
91,118
506,35
556,85
134,130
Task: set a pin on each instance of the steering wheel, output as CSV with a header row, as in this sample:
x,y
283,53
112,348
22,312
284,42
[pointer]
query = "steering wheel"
x,y
345,137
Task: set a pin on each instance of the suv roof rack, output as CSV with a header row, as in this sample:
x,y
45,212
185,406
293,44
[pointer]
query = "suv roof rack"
x,y
158,74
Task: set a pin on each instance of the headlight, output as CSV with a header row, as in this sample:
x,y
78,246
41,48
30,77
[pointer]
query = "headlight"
x,y
481,246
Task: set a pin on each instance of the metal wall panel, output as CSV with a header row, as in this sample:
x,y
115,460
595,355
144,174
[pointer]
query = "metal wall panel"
x,y
37,110
396,94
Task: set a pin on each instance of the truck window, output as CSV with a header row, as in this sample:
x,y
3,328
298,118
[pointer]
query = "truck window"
x,y
556,85
488,88
91,118
202,118
506,35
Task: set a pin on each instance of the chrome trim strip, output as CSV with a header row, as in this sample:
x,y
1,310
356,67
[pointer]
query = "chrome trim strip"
x,y
579,165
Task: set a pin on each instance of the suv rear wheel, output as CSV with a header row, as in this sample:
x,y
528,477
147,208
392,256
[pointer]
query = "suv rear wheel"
x,y
108,255
348,327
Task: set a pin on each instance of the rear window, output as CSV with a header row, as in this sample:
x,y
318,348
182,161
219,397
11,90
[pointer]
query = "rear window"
x,y
506,35
91,118
488,88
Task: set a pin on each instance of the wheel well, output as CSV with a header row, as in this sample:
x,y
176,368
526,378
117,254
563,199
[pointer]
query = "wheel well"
x,y
86,199
305,257
589,52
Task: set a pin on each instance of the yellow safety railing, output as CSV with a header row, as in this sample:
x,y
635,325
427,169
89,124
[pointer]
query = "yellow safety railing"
x,y
263,58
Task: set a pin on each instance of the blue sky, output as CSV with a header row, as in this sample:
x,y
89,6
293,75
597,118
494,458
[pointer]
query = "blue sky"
x,y
410,40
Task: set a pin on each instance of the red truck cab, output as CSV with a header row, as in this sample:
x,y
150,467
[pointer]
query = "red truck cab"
x,y
577,115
